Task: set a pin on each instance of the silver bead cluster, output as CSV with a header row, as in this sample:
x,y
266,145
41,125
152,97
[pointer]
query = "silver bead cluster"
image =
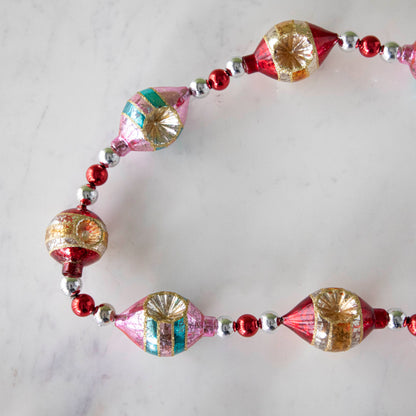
x,y
269,321
348,40
108,158
389,52
104,314
225,326
235,67
71,286
199,87
397,318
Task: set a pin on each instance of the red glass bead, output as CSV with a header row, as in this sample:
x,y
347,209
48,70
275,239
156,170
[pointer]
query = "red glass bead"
x,y
411,324
381,318
83,305
97,175
247,325
369,46
218,79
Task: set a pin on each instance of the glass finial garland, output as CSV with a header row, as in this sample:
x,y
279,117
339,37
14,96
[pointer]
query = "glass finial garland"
x,y
165,323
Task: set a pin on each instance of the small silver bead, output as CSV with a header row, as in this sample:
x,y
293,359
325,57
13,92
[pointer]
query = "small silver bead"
x,y
108,157
396,318
104,314
348,41
71,286
225,326
199,88
269,321
235,67
87,193
390,51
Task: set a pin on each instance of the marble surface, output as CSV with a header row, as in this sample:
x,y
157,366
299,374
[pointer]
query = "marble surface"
x,y
273,191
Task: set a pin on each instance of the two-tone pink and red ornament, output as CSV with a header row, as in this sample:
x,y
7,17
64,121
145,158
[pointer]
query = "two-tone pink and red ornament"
x,y
166,323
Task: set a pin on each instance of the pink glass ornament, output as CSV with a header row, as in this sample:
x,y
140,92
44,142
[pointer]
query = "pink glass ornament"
x,y
408,56
152,119
165,324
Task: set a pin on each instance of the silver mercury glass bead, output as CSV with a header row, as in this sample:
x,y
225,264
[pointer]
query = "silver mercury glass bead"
x,y
235,67
396,318
199,88
87,193
348,41
269,321
71,286
104,314
108,157
225,326
390,51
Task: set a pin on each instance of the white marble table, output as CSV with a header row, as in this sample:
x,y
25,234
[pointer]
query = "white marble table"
x,y
273,191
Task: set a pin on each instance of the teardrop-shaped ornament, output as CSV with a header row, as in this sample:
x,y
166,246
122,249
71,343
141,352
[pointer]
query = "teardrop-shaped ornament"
x,y
291,51
165,324
334,319
152,119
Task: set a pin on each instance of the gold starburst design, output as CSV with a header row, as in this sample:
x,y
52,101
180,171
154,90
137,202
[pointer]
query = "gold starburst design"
x,y
337,305
293,52
166,306
162,126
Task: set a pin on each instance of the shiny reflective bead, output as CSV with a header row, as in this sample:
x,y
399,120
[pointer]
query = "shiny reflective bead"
x,y
225,326
390,51
83,305
247,325
235,67
87,195
347,41
97,175
396,318
269,321
369,46
108,157
71,286
199,88
411,324
218,79
104,314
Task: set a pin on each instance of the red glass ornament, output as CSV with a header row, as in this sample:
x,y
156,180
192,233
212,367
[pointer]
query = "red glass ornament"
x,y
334,319
411,324
287,52
247,325
97,175
381,318
83,305
75,241
219,79
369,46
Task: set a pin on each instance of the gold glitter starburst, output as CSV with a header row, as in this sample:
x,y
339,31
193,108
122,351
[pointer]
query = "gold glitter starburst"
x,y
337,305
293,52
